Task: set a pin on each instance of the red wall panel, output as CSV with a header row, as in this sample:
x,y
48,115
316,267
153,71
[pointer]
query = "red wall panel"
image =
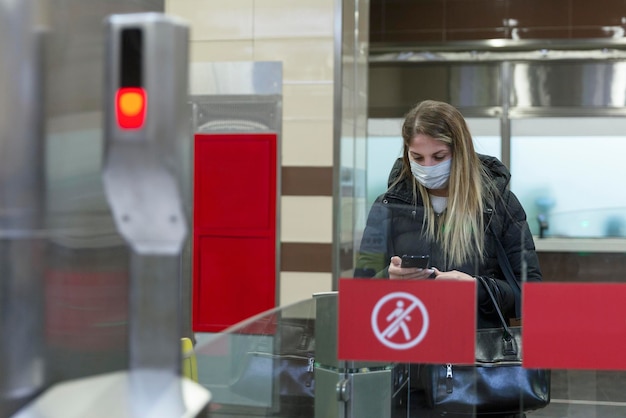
x,y
234,228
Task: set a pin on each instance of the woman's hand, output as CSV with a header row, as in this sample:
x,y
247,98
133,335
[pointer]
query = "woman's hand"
x,y
453,275
397,272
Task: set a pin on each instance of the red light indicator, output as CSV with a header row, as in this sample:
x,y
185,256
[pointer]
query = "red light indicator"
x,y
130,107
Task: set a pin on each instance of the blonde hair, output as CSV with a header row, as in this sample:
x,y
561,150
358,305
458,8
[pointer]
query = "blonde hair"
x,y
462,232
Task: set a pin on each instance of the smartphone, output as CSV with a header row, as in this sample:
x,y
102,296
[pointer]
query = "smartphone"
x,y
419,261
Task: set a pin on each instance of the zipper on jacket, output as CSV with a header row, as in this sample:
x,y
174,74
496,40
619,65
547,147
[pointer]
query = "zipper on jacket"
x,y
310,369
448,378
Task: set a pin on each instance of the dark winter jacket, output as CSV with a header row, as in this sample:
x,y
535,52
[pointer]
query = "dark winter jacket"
x,y
394,227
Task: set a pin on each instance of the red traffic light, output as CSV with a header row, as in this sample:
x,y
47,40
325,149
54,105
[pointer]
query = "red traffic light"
x,y
130,107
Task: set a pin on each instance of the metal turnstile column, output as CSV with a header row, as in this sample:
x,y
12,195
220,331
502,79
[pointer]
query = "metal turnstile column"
x,y
352,389
145,121
22,199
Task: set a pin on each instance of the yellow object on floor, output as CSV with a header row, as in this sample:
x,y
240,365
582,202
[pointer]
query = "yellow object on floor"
x,y
189,366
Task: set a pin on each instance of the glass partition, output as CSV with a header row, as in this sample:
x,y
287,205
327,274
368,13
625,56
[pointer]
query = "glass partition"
x,y
283,363
568,172
268,366
275,365
263,366
545,155
559,125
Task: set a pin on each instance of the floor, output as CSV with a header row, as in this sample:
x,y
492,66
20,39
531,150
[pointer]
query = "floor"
x,y
575,394
586,394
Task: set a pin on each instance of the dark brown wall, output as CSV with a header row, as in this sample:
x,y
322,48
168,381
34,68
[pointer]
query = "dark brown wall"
x,y
582,267
414,21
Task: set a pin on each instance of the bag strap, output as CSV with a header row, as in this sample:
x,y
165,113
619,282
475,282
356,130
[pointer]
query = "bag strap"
x,y
495,304
509,275
508,344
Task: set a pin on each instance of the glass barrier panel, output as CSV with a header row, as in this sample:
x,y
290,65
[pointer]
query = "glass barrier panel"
x,y
270,366
263,366
554,159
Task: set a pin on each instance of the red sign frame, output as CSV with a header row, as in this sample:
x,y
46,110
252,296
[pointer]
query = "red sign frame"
x,y
409,321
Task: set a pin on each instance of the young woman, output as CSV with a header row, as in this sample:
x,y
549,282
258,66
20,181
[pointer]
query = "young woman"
x,y
448,202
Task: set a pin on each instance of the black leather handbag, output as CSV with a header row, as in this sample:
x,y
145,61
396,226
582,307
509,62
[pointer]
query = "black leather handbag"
x,y
496,384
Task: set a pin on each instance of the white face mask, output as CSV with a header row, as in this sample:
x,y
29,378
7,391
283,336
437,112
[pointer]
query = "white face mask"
x,y
432,177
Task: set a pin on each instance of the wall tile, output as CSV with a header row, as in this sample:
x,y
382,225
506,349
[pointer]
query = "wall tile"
x,y
308,101
210,51
295,287
306,219
294,19
598,13
216,19
311,257
411,15
541,13
307,143
475,14
413,36
309,59
476,34
377,11
306,181
376,37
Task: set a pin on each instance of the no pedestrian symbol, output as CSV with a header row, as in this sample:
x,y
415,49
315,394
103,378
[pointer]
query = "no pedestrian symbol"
x,y
400,320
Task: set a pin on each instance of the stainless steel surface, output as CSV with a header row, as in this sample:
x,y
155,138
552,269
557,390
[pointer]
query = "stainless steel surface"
x,y
568,83
142,166
505,122
236,97
61,256
370,395
483,49
22,197
338,146
154,331
545,82
351,52
236,78
326,331
142,182
87,263
395,88
328,402
351,388
357,395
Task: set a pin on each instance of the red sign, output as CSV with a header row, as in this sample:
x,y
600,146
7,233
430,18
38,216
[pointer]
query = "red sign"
x,y
409,321
574,326
240,223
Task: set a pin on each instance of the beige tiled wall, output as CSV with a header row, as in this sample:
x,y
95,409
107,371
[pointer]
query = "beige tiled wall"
x,y
306,219
294,285
300,34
